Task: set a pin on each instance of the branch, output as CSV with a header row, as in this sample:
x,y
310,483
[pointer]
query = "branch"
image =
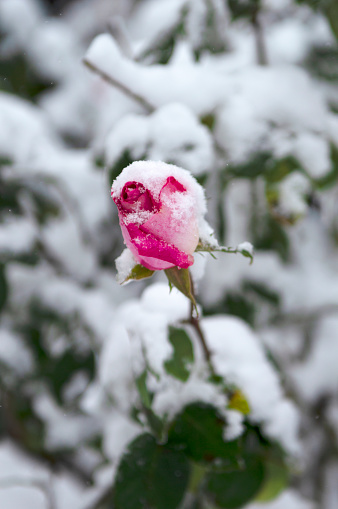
x,y
259,39
120,86
194,321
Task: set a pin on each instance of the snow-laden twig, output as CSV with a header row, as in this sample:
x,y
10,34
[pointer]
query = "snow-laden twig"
x,y
120,86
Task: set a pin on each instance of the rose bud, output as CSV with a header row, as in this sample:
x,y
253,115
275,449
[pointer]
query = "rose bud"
x,y
161,209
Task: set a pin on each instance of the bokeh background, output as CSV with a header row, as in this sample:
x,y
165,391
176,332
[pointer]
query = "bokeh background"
x,y
244,94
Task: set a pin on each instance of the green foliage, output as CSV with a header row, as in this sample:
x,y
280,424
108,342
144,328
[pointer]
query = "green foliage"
x,y
124,160
272,236
20,78
258,164
198,431
240,305
151,476
211,38
331,178
236,488
183,355
56,371
196,458
276,480
244,8
322,62
138,272
161,48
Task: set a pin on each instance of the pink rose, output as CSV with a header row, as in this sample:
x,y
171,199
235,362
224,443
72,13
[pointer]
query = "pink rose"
x,y
158,211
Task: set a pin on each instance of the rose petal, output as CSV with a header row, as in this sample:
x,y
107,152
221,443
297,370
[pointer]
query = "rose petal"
x,y
180,231
135,197
152,252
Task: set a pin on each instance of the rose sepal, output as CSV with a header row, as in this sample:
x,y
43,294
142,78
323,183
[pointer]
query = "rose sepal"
x,y
137,273
181,279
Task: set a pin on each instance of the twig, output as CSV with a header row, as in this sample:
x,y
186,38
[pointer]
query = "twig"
x,y
259,39
117,84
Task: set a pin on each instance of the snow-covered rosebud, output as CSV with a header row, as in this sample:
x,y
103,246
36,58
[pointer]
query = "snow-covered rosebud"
x,y
161,209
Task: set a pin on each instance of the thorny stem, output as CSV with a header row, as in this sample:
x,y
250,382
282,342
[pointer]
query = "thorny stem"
x,y
115,83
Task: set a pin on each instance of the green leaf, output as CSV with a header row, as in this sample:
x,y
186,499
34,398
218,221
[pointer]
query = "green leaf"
x,y
239,305
198,430
239,402
331,178
183,354
260,163
180,278
281,169
61,370
141,384
235,489
272,237
150,476
243,9
138,272
276,480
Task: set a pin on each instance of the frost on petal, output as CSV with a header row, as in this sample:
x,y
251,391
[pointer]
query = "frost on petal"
x,y
124,264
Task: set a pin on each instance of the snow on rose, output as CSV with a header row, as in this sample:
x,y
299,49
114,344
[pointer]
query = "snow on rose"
x,y
161,209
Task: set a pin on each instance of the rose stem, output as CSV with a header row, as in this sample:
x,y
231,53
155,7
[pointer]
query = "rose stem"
x,y
194,321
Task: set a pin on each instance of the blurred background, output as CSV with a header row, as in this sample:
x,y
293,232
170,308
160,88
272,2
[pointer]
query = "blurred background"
x,y
244,94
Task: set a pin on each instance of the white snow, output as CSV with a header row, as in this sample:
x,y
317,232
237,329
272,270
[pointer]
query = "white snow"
x,y
288,498
238,355
172,133
15,353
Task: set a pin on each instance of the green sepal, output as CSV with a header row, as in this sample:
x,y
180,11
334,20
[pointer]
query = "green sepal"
x,y
183,354
138,272
180,278
275,481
